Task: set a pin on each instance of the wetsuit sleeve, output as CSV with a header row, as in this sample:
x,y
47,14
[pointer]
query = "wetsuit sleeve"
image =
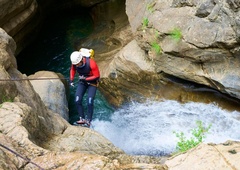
x,y
72,72
95,71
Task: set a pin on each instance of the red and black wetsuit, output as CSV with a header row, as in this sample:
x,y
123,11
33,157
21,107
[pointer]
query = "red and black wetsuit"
x,y
91,72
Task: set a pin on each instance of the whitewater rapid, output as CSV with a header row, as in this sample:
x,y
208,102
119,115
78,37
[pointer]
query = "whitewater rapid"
x,y
147,128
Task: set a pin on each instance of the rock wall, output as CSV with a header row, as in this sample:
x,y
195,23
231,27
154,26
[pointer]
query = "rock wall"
x,y
52,88
15,18
196,40
208,156
22,19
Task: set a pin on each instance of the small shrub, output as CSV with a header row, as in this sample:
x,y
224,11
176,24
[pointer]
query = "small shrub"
x,y
198,136
176,34
156,47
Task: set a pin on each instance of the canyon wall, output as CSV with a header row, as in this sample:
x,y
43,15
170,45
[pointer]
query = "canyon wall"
x,y
192,40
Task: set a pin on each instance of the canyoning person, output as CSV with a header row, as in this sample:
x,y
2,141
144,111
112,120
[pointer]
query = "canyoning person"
x,y
89,76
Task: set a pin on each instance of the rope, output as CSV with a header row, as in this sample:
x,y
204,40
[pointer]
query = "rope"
x,y
26,159
24,79
47,78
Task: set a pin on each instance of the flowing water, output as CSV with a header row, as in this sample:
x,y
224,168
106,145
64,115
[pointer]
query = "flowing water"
x,y
147,128
137,128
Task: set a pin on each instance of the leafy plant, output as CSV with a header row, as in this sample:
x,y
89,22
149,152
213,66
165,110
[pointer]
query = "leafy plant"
x,y
145,23
156,47
176,34
199,133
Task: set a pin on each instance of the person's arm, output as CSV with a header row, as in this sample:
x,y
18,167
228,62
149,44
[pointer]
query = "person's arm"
x,y
72,73
95,71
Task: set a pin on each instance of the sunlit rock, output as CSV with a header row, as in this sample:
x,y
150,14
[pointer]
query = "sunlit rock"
x,y
51,89
196,45
208,156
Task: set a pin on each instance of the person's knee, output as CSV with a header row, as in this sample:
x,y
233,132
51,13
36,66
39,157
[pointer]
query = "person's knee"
x,y
90,101
78,100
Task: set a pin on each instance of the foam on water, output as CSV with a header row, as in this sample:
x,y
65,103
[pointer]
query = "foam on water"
x,y
147,128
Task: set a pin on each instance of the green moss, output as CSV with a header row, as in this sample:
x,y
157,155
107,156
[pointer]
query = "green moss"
x,y
5,99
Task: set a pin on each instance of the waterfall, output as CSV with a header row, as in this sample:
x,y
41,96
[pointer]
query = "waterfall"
x,y
147,128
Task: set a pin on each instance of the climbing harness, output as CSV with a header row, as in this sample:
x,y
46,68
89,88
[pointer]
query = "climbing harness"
x,y
91,84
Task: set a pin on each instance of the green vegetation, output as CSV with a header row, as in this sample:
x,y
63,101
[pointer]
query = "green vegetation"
x,y
145,23
156,34
156,47
150,7
5,99
176,34
198,136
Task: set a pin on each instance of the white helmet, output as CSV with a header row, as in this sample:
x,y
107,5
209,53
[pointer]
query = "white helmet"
x,y
76,57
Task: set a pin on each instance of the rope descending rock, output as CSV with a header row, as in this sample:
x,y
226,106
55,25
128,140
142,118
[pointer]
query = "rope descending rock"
x,y
17,154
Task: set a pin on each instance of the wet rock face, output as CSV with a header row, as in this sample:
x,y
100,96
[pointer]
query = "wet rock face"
x,y
15,15
22,19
